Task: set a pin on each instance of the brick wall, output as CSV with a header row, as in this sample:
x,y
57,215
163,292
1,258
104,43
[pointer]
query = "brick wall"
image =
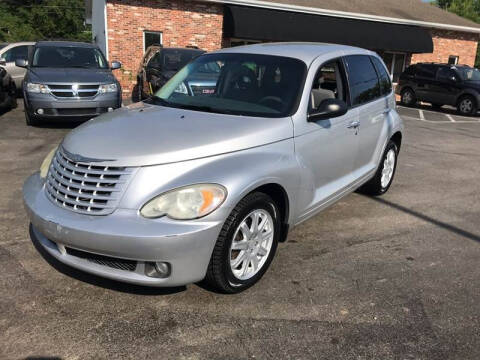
x,y
446,43
182,23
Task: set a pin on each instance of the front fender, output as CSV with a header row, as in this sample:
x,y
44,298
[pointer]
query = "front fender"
x,y
240,173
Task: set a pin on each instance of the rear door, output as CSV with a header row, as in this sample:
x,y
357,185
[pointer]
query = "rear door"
x,y
425,79
367,95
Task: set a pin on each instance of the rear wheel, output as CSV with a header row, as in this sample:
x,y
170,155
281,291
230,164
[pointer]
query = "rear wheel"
x,y
246,244
383,178
408,97
467,106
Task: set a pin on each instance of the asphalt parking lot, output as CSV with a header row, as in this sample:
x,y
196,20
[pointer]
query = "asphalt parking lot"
x,y
395,277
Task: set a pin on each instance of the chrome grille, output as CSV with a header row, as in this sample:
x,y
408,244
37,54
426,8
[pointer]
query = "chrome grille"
x,y
73,90
85,187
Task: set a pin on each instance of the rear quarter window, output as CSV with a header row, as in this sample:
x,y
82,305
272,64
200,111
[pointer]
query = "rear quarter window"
x,y
362,79
385,83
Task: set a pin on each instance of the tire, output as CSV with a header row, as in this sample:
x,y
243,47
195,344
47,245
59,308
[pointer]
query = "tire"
x,y
13,97
408,97
30,120
467,105
225,276
378,185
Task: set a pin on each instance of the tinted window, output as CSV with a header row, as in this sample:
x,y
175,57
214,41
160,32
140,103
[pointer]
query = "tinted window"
x,y
426,71
68,56
469,74
241,84
363,80
385,83
19,52
172,59
445,74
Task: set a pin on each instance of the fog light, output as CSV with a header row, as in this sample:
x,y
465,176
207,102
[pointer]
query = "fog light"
x,y
110,109
40,111
157,269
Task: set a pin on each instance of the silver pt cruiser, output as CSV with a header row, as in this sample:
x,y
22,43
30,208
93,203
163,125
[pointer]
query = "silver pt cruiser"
x,y
204,185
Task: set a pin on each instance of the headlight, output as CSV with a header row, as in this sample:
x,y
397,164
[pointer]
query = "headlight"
x,y
186,203
107,88
46,163
37,88
182,89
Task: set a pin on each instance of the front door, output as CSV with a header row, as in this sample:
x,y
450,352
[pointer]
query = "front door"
x,y
17,73
329,149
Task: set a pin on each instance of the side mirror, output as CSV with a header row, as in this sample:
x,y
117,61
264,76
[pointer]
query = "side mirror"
x,y
453,78
328,108
21,63
3,62
116,65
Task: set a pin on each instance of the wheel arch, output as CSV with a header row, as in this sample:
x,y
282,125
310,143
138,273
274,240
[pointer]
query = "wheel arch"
x,y
397,139
278,193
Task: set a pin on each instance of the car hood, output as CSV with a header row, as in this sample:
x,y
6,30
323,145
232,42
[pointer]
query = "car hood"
x,y
143,134
70,75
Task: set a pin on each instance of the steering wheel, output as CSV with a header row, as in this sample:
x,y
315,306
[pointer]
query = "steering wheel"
x,y
273,102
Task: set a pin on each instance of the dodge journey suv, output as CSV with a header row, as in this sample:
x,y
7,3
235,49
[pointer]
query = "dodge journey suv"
x,y
181,188
68,79
441,84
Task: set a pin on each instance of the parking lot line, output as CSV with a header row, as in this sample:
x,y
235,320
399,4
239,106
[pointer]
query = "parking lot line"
x,y
438,112
450,117
422,116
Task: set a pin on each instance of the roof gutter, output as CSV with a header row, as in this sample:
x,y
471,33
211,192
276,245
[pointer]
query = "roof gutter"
x,y
344,14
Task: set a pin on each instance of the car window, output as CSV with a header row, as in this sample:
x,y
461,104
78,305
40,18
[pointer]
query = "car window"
x,y
469,74
327,84
385,83
240,84
410,70
18,52
426,71
69,57
362,78
445,73
172,59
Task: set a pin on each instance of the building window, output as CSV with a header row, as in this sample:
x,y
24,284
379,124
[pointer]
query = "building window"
x,y
151,38
395,63
453,60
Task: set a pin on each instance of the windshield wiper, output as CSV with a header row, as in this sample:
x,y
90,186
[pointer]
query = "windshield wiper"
x,y
204,108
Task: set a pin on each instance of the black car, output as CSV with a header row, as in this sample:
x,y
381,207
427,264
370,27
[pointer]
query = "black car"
x,y
67,80
158,65
441,84
8,93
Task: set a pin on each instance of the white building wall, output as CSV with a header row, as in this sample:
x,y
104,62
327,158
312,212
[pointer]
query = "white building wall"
x,y
99,23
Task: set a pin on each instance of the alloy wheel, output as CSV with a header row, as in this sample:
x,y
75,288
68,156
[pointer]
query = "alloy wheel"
x,y
388,168
251,245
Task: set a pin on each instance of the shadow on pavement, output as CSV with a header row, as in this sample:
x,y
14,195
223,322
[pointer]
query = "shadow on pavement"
x,y
450,110
99,281
429,219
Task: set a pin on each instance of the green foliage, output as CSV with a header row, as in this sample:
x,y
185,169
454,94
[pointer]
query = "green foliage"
x,y
469,9
43,20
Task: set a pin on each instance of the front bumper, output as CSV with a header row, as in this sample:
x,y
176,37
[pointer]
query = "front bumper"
x,y
54,107
124,234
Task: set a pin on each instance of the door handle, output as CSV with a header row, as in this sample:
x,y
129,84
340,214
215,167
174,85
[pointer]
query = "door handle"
x,y
354,125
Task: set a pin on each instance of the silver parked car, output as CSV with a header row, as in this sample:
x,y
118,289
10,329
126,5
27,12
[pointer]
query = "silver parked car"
x,y
181,188
11,53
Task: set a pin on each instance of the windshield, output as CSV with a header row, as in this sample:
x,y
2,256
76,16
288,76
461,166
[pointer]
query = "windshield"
x,y
240,84
69,57
469,74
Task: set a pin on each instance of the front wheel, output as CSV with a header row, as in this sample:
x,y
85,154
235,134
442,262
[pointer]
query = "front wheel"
x,y
383,178
246,244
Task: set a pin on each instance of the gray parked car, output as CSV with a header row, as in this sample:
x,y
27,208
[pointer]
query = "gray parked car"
x,y
9,54
68,80
182,188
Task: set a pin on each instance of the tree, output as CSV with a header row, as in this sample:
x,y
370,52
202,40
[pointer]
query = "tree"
x,y
42,20
469,9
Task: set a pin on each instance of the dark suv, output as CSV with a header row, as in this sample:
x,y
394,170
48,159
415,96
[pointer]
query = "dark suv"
x,y
158,65
441,84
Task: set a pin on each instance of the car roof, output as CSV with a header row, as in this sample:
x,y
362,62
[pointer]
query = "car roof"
x,y
65,43
301,50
